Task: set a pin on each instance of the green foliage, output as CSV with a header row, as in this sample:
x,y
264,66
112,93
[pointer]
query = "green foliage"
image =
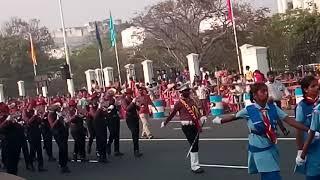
x,y
292,38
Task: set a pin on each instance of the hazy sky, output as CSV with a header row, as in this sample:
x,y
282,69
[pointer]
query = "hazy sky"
x,y
79,12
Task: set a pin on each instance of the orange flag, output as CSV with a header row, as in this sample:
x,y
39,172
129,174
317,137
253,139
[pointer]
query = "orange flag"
x,y
33,52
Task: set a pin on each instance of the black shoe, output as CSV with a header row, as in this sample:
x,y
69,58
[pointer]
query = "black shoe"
x,y
65,170
150,137
118,154
41,169
52,159
137,154
198,171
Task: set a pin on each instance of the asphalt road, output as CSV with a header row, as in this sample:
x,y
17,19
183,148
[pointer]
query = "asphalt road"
x,y
165,157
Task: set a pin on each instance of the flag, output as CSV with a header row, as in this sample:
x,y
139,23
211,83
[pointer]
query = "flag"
x,y
33,52
98,37
113,33
230,13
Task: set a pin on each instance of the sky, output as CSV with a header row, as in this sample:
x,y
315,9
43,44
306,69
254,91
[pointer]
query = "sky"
x,y
79,12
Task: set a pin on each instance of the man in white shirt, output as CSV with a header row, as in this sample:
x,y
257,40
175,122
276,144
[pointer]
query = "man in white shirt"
x,y
202,92
276,89
276,92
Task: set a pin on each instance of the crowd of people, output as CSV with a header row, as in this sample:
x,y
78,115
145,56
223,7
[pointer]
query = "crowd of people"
x,y
25,122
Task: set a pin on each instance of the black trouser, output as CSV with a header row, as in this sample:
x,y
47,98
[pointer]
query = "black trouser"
x,y
34,138
133,125
2,151
79,136
47,139
101,137
61,137
25,150
114,129
190,131
11,150
92,133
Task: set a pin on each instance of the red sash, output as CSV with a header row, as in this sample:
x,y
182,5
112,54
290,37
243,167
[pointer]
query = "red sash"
x,y
195,118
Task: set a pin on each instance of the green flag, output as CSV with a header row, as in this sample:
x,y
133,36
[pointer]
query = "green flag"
x,y
113,33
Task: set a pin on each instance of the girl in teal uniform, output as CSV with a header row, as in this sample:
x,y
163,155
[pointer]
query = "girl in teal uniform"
x,y
308,115
262,117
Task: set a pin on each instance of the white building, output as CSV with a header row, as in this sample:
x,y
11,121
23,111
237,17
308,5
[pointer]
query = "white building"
x,y
284,5
133,37
57,53
210,23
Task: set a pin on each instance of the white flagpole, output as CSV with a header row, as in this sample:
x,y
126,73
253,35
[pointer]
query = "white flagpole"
x,y
66,50
101,67
118,64
235,37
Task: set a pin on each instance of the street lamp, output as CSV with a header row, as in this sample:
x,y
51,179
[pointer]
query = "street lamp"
x,y
70,80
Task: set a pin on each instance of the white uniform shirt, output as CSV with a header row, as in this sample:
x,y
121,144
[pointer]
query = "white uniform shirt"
x,y
277,90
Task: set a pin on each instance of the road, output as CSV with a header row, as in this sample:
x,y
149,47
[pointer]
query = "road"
x,y
165,157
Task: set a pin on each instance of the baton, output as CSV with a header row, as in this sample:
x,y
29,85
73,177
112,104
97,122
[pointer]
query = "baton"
x,y
194,141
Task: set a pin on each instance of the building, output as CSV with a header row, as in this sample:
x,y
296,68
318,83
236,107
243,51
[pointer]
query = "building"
x,y
284,5
133,37
78,37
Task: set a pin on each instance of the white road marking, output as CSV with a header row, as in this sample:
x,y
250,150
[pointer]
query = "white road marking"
x,y
179,128
201,139
90,161
223,166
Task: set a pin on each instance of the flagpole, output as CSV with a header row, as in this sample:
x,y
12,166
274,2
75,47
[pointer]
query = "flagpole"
x,y
235,37
35,74
101,67
34,60
70,83
118,64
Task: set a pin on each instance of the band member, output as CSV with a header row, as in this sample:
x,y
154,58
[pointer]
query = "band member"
x,y
60,134
309,156
307,114
262,117
113,123
131,107
45,129
100,128
191,124
91,111
12,142
22,130
78,132
144,100
32,119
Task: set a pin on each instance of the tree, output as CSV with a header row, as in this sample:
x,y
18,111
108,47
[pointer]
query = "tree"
x,y
15,58
21,28
292,38
174,30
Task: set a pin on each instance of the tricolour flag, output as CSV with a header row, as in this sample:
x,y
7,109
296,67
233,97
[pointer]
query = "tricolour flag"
x,y
113,33
33,52
98,37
